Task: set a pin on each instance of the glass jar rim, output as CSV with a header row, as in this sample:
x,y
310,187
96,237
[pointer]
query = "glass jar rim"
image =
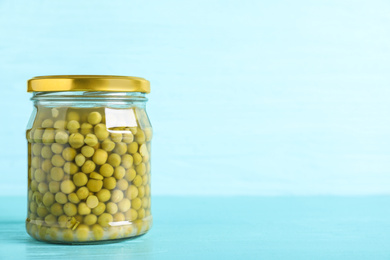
x,y
109,83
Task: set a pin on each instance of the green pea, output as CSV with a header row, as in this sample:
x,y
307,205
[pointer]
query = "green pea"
x,y
83,209
73,198
39,175
101,131
137,181
101,207
33,206
92,201
42,232
91,140
114,159
37,135
73,125
70,168
145,202
94,185
60,124
130,174
95,176
86,129
140,136
116,137
61,198
82,232
140,169
143,150
119,172
69,154
103,195
61,137
127,137
67,186
56,173
48,199
50,219
80,160
111,208
48,136
116,196
87,151
42,187
137,158
127,160
109,183
42,211
131,214
124,205
36,162
80,179
141,213
88,167
132,192
54,186
73,115
141,191
105,219
119,216
47,123
106,170
55,112
34,185
133,130
67,235
148,167
94,118
120,148
62,220
82,193
46,165
29,136
76,140
136,203
70,209
147,190
57,160
90,219
53,233
122,184
100,157
36,149
148,134
57,148
98,232
37,197
145,179
108,145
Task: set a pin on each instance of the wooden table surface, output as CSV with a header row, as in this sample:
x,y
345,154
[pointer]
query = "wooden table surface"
x,y
228,228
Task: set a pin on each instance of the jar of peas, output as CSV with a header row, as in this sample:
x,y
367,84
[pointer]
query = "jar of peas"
x,y
88,159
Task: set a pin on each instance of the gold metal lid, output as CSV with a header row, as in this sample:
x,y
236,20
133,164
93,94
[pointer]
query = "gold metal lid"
x,y
88,83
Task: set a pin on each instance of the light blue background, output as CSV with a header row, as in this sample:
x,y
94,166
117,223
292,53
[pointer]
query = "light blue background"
x,y
248,97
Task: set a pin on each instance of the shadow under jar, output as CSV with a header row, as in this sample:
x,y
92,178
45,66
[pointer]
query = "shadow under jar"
x,y
89,143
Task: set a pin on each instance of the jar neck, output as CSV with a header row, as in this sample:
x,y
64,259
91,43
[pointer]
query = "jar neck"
x,y
89,98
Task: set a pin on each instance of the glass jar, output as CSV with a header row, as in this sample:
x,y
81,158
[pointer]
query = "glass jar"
x,y
88,159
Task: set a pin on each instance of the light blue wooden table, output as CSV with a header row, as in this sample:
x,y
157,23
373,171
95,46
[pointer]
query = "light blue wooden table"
x,y
228,228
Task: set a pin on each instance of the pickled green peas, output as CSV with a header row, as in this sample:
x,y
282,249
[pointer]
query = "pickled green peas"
x,y
88,181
